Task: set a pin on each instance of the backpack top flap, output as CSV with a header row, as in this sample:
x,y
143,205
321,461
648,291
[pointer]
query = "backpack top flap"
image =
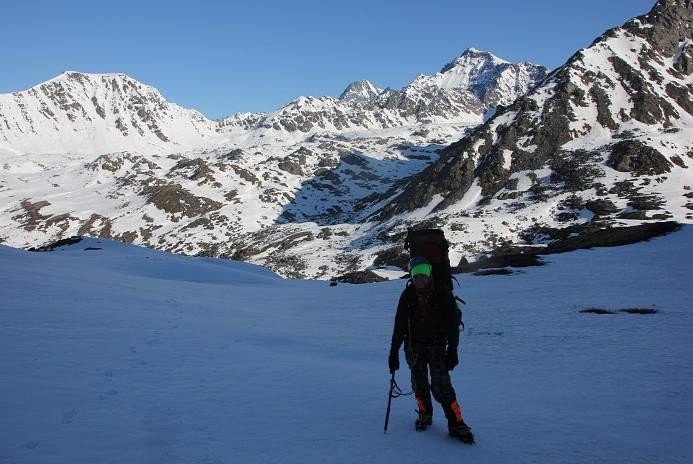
x,y
432,245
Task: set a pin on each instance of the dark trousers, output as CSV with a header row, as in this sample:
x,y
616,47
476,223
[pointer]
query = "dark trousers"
x,y
422,359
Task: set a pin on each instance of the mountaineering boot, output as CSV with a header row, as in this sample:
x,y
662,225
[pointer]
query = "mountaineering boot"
x,y
462,432
423,421
456,425
425,417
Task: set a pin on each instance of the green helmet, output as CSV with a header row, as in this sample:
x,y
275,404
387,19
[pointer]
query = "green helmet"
x,y
419,266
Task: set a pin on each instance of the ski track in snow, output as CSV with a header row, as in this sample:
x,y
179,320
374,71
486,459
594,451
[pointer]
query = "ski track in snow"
x,y
130,355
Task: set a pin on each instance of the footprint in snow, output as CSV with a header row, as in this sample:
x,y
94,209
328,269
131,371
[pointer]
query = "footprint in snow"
x,y
69,416
111,392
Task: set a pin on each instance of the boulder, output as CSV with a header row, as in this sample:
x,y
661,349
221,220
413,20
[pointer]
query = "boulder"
x,y
601,207
636,157
359,277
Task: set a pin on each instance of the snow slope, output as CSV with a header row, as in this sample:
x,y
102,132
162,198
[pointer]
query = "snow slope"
x,y
124,354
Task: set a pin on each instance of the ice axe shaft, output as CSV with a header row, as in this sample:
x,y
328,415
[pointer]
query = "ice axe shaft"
x,y
390,395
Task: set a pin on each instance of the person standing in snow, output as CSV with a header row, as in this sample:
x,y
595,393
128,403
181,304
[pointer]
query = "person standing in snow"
x,y
429,328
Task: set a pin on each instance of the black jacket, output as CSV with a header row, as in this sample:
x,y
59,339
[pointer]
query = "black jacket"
x,y
432,320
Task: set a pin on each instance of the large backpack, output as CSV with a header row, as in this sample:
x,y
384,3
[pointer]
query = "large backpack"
x,y
432,245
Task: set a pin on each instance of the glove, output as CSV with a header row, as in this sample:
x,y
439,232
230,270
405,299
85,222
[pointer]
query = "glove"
x,y
393,361
452,359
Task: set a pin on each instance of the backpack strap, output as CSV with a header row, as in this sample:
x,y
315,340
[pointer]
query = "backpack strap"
x,y
410,310
410,302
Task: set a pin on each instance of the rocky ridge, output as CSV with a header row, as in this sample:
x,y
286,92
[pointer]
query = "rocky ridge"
x,y
463,92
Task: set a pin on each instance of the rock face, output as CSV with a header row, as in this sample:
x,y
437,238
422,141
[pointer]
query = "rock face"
x,y
635,156
327,187
670,30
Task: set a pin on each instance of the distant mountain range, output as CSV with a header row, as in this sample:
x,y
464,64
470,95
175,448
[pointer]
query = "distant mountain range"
x,y
97,113
325,186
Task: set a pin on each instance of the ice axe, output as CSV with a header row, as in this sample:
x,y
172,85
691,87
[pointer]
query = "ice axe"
x,y
395,392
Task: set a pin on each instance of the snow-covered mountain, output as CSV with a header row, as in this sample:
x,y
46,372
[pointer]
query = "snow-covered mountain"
x,y
324,186
107,156
493,80
90,113
603,144
360,91
605,140
462,92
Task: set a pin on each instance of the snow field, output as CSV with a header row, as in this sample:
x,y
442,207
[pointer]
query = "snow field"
x,y
124,354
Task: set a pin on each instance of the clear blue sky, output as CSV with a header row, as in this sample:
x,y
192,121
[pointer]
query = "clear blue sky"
x,y
256,55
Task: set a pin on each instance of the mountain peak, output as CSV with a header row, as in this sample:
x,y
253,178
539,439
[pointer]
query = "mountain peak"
x,y
663,4
94,81
81,76
360,91
474,57
665,26
87,113
492,79
71,73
